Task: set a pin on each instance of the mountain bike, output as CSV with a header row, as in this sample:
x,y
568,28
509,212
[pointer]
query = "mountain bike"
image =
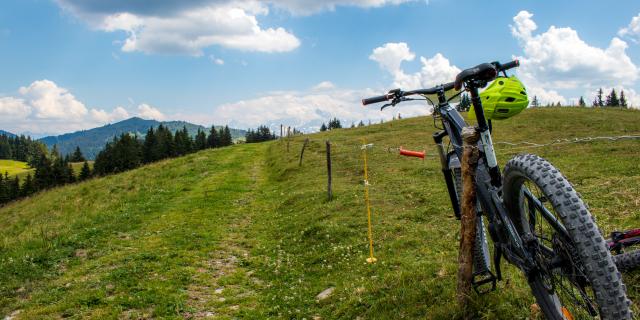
x,y
619,241
534,217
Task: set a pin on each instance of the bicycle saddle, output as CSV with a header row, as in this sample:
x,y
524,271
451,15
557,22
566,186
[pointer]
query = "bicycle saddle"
x,y
482,72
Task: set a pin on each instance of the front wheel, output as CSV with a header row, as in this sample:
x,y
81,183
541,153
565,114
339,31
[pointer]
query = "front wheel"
x,y
576,277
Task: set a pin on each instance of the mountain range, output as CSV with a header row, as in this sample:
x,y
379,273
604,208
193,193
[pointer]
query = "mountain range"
x,y
6,133
92,141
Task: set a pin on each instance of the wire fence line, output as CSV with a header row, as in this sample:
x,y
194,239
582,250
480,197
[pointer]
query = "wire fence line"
x,y
382,148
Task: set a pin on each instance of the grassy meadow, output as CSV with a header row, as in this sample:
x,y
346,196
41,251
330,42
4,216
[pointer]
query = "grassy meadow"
x,y
245,232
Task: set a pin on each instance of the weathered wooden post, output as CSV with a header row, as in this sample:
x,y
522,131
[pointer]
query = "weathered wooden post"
x,y
304,145
470,157
329,189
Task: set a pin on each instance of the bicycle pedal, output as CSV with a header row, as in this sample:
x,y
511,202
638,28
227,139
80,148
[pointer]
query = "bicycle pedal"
x,y
479,282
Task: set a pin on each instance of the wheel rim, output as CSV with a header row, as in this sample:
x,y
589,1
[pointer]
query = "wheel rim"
x,y
562,271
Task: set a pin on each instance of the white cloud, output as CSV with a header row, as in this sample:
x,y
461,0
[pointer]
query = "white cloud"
x,y
148,112
43,107
391,55
559,59
324,85
52,102
189,32
187,27
306,7
12,108
632,31
306,110
435,70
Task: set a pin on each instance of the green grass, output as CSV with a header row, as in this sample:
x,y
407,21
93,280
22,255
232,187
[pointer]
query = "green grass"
x,y
244,232
13,167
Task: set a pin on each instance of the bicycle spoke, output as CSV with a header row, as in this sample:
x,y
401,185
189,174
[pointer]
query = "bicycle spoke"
x,y
563,272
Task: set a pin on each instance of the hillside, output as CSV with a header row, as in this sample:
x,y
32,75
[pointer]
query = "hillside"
x,y
6,133
92,141
245,232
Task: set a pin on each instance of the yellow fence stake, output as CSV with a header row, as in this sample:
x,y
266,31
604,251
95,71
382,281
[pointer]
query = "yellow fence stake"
x,y
371,258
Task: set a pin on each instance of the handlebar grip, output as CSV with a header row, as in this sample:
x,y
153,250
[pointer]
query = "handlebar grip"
x,y
377,99
509,65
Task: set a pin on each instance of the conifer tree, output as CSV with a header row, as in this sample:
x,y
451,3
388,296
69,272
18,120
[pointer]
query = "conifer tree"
x,y
581,102
225,136
623,99
4,192
535,102
201,140
77,155
213,140
599,102
150,147
28,187
323,127
43,176
14,188
85,172
612,99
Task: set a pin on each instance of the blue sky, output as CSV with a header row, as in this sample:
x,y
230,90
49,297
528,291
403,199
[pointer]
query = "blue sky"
x,y
76,64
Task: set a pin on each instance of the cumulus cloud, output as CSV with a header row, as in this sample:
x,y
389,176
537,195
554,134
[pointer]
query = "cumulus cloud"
x,y
308,109
632,31
324,85
12,108
148,112
43,107
187,27
435,70
559,59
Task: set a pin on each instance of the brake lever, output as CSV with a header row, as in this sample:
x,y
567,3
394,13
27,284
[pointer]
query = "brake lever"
x,y
386,105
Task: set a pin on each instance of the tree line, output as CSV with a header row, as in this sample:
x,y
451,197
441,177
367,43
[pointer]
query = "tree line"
x,y
127,151
261,134
20,148
613,99
51,170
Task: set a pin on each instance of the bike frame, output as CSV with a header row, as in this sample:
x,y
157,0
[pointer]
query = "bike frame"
x,y
507,241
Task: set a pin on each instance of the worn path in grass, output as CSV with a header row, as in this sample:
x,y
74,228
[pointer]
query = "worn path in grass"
x,y
163,241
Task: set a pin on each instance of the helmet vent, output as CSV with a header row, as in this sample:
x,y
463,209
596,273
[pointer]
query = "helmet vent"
x,y
501,82
510,99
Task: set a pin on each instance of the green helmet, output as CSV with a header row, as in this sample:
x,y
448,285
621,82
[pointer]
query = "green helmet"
x,y
503,99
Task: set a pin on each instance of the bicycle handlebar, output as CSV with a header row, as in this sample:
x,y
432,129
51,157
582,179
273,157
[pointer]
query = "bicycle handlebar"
x,y
396,95
377,99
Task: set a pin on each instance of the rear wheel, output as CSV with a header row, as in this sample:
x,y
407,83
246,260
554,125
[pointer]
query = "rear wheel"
x,y
577,277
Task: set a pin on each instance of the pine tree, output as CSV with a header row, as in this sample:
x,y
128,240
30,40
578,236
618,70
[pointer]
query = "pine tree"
x,y
14,188
612,99
4,191
85,172
213,141
150,147
623,99
43,176
599,102
535,102
77,155
201,140
225,136
360,124
28,187
323,127
581,102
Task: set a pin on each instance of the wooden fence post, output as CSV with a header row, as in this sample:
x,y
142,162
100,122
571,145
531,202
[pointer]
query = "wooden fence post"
x,y
470,157
329,189
304,145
